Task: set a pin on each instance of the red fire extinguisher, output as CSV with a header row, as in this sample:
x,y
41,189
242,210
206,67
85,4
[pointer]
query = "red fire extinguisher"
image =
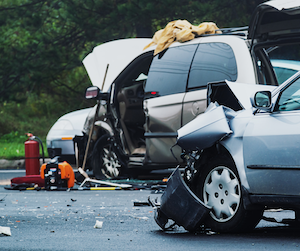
x,y
32,155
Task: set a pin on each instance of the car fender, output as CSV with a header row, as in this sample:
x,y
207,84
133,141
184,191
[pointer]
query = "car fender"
x,y
234,143
218,125
101,116
105,126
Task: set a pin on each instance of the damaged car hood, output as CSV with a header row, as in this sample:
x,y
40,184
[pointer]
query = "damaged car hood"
x,y
204,130
226,100
234,95
117,54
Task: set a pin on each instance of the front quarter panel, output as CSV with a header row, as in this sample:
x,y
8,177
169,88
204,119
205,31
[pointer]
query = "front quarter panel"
x,y
234,143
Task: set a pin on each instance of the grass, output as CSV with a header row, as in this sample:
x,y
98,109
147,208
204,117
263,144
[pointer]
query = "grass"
x,y
12,146
36,114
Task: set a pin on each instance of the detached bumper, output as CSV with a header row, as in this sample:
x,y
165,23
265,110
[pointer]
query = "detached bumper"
x,y
181,205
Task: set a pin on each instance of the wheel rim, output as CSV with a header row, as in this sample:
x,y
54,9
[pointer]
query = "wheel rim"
x,y
222,193
111,164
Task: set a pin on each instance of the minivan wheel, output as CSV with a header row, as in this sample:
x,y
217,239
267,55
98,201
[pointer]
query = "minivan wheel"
x,y
105,162
219,187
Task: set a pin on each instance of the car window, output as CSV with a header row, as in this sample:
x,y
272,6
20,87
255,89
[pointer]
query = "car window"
x,y
289,99
284,59
283,74
212,62
169,71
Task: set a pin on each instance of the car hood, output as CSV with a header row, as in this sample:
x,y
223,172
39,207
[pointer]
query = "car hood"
x,y
274,19
234,95
117,54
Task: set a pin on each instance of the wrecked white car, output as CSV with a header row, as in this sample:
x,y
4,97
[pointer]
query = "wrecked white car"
x,y
241,161
60,136
148,98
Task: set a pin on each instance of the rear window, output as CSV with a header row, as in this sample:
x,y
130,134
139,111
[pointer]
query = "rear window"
x,y
212,62
169,71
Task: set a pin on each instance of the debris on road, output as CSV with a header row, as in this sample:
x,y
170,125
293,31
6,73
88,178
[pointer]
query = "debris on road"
x,y
141,203
5,231
156,186
179,204
1,200
142,218
98,224
88,179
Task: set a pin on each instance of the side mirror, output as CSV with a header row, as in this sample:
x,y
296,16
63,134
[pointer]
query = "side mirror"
x,y
95,93
262,100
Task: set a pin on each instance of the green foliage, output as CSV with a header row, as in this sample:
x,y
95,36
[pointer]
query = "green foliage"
x,y
12,150
36,115
12,146
38,46
42,43
13,137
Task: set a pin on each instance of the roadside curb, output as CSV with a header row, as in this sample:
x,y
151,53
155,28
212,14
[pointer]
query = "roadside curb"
x,y
20,164
12,164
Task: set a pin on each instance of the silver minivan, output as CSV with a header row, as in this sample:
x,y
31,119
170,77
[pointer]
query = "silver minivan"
x,y
144,101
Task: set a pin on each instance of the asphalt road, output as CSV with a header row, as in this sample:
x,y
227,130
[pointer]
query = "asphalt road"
x,y
61,220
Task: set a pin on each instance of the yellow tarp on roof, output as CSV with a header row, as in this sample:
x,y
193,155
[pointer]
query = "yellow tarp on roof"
x,y
180,31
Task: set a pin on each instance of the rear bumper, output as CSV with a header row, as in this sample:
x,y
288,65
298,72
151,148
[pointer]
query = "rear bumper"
x,y
181,205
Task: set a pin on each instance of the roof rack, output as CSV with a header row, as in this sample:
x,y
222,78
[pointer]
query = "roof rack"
x,y
233,30
237,31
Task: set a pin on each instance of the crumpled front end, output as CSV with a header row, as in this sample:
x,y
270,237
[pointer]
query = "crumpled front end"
x,y
205,130
181,205
178,202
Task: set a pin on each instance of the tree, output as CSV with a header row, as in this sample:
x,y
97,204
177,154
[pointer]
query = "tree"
x,y
43,42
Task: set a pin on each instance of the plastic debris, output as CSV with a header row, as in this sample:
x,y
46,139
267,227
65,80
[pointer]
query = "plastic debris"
x,y
141,203
5,231
1,200
142,218
98,224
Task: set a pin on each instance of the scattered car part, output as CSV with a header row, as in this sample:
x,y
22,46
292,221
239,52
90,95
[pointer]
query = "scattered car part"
x,y
3,199
5,231
98,224
141,203
88,179
181,205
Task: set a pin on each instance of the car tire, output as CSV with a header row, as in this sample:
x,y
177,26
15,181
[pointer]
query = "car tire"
x,y
105,162
219,186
